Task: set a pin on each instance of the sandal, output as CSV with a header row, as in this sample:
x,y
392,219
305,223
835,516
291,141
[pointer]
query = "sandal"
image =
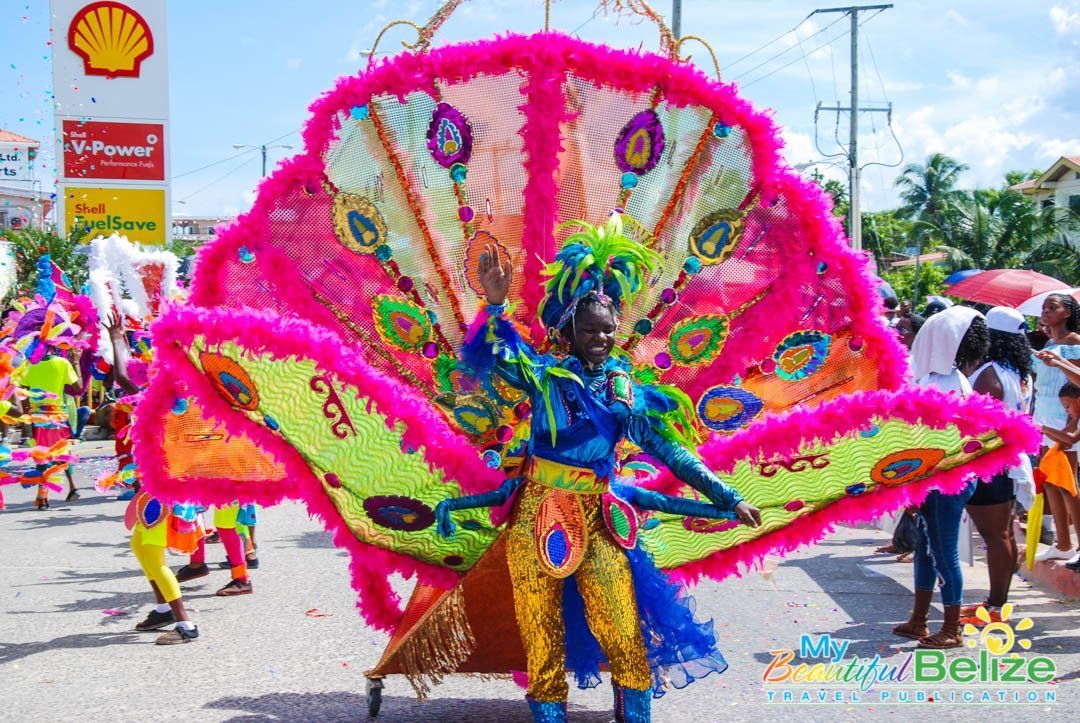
x,y
911,630
941,641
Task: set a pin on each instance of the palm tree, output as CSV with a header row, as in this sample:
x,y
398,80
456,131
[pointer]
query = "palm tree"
x,y
928,191
1055,250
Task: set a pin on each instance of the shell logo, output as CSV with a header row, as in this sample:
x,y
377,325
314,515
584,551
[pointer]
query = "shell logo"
x,y
111,38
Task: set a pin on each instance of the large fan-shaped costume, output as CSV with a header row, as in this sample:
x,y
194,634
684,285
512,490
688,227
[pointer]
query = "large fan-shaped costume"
x,y
318,358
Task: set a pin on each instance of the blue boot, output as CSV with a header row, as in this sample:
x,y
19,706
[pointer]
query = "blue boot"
x,y
632,706
547,712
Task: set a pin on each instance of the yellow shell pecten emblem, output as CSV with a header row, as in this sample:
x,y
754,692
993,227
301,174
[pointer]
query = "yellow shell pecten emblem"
x,y
111,38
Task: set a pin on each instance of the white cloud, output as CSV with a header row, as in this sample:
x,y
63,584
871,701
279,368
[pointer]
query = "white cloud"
x,y
1052,149
798,147
957,18
902,86
1065,18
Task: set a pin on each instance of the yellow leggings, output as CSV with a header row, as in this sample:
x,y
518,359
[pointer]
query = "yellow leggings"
x,y
606,586
152,560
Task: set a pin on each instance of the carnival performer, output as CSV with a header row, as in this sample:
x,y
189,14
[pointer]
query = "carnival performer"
x,y
950,343
155,527
46,381
585,404
231,523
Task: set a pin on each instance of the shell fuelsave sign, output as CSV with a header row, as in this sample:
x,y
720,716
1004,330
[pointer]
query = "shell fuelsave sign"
x,y
110,79
138,213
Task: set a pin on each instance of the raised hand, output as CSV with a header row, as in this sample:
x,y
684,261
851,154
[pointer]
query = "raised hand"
x,y
495,274
114,325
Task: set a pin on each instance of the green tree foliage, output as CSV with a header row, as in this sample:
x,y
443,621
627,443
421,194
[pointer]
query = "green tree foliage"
x,y
30,243
928,195
885,234
931,280
182,247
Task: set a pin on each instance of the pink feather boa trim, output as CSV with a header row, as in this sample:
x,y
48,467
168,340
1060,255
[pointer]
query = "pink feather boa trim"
x,y
424,430
784,435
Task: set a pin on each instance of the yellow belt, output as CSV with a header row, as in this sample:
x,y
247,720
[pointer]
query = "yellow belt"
x,y
580,480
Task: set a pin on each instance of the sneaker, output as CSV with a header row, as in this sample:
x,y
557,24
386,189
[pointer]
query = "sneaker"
x,y
188,572
236,587
178,635
1053,553
1074,566
212,538
126,495
1073,561
155,621
73,495
252,563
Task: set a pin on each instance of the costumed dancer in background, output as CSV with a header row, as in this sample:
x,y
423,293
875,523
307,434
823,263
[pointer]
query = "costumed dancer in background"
x,y
232,524
585,404
1005,375
155,526
950,342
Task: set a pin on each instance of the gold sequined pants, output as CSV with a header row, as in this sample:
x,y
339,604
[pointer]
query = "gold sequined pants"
x,y
606,586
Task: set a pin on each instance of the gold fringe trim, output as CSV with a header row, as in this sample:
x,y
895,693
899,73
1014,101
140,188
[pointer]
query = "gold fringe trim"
x,y
440,644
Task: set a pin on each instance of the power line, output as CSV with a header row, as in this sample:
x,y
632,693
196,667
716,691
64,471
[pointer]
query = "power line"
x,y
773,72
218,179
785,51
234,156
211,165
762,47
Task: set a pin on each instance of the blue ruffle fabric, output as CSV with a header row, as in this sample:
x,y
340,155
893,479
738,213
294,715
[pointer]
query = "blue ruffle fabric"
x,y
679,648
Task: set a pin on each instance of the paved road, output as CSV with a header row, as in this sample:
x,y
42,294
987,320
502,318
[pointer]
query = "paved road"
x,y
263,658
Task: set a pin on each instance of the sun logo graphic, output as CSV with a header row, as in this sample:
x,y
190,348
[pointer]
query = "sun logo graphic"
x,y
111,38
998,636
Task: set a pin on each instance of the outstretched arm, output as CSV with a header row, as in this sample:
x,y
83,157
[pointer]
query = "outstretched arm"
x,y
445,527
693,472
120,351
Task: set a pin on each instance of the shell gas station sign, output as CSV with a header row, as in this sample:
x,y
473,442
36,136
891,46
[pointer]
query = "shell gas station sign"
x,y
138,213
111,82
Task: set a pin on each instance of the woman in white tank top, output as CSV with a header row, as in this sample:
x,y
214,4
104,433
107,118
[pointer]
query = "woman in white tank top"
x,y
1001,376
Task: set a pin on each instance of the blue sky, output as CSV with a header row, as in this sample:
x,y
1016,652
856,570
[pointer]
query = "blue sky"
x,y
995,84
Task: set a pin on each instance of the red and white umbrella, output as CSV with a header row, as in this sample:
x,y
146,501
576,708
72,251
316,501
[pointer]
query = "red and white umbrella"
x,y
1005,287
1033,306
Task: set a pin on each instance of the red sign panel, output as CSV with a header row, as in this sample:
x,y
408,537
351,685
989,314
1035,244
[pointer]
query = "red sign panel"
x,y
114,151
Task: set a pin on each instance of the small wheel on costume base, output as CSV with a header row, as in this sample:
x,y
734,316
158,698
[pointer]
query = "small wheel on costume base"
x,y
374,696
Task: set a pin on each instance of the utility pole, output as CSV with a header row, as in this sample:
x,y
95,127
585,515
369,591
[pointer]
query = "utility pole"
x,y
262,148
676,18
854,171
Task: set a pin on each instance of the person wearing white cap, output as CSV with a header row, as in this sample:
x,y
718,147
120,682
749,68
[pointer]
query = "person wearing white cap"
x,y
1061,317
950,343
1005,375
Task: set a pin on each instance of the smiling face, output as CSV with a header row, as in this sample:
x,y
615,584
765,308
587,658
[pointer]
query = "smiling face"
x,y
592,334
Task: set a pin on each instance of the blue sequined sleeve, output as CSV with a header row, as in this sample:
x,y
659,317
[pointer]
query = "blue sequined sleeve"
x,y
682,464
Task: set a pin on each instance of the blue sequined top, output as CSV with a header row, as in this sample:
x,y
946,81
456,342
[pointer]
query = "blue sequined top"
x,y
590,417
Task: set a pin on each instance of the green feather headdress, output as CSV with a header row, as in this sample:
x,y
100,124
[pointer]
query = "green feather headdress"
x,y
599,261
